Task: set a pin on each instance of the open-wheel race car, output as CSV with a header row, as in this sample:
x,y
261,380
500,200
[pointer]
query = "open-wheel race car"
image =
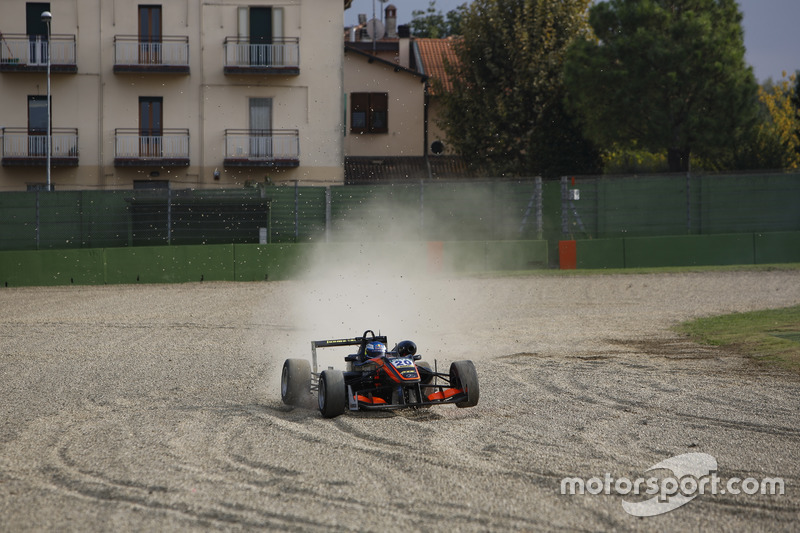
x,y
377,378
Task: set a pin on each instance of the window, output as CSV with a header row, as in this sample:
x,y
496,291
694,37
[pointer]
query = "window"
x,y
260,127
369,113
37,125
149,35
150,126
36,29
260,28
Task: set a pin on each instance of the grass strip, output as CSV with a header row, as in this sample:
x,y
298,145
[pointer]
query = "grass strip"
x,y
769,336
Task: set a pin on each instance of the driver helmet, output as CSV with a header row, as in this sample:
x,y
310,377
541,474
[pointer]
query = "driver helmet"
x,y
375,349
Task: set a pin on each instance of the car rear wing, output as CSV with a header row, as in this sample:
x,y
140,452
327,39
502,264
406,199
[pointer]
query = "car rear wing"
x,y
332,343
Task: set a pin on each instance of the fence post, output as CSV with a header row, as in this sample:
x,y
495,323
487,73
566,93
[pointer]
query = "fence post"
x,y
422,209
169,215
38,221
564,209
296,211
328,213
688,202
539,215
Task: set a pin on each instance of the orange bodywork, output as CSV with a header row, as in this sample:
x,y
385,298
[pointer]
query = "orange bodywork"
x,y
443,395
369,399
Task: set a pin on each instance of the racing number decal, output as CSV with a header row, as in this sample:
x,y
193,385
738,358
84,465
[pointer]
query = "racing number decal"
x,y
405,367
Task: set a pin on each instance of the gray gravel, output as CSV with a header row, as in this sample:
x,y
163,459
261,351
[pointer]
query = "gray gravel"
x,y
157,407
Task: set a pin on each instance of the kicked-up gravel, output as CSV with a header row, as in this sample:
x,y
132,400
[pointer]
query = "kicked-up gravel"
x,y
157,407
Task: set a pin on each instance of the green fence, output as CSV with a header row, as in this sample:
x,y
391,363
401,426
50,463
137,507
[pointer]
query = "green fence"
x,y
649,206
468,210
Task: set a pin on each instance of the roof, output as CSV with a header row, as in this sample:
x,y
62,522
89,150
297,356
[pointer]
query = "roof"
x,y
358,170
433,53
373,58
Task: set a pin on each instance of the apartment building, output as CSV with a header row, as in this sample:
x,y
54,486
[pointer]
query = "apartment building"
x,y
181,94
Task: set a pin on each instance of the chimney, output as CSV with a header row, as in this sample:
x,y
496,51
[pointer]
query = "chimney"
x,y
391,21
361,31
404,46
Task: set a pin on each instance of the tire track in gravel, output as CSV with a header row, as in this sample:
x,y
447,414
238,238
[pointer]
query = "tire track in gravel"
x,y
179,424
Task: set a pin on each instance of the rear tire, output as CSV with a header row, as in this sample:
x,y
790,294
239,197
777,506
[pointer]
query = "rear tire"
x,y
332,395
464,376
295,381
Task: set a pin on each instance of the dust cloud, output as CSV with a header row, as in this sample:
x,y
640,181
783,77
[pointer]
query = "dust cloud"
x,y
378,276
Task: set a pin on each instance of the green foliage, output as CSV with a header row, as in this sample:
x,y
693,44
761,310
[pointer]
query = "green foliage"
x,y
432,24
669,75
630,160
772,142
505,113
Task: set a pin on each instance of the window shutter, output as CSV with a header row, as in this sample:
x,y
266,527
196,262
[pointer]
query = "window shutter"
x,y
277,23
379,112
359,111
244,23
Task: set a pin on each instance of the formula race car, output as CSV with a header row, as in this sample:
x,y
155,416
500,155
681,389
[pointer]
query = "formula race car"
x,y
377,378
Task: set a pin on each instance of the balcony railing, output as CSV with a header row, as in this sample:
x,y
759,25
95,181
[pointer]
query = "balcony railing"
x,y
170,149
22,148
282,56
262,148
28,53
170,54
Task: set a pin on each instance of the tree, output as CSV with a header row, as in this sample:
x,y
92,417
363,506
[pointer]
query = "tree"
x,y
505,112
669,75
777,132
432,24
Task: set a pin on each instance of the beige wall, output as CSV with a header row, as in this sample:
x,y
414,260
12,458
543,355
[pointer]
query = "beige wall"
x,y
406,93
206,102
435,132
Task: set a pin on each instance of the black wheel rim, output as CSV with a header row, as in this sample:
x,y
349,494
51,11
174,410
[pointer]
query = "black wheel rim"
x,y
285,382
322,394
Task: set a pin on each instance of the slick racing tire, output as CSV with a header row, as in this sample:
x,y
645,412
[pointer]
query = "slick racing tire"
x,y
295,381
464,376
332,394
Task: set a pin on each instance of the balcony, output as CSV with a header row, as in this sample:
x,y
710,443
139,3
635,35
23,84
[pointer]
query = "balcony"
x,y
22,148
28,53
132,149
282,56
262,148
169,55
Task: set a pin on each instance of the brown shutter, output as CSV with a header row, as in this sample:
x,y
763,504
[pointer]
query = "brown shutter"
x,y
379,112
359,112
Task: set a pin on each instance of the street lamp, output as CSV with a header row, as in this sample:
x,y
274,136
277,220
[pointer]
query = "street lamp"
x,y
46,18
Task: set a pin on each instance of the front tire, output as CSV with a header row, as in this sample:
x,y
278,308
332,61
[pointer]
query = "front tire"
x,y
332,395
464,376
295,381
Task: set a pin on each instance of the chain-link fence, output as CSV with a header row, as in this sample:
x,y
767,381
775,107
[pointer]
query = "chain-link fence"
x,y
633,206
479,210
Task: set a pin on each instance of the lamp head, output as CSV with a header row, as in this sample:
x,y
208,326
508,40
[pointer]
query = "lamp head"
x,y
46,17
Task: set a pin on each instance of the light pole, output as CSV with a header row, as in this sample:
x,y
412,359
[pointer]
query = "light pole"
x,y
46,18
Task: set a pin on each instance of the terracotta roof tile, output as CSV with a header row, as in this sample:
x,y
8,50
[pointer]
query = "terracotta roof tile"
x,y
433,53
